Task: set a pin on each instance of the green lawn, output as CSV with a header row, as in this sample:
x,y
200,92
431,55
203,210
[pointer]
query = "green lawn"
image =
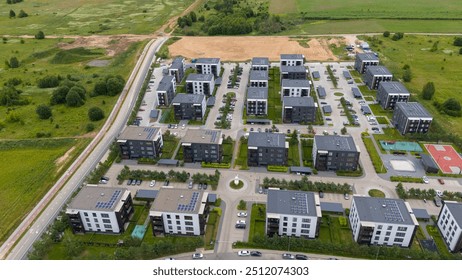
x,y
440,244
390,134
30,168
241,160
294,155
366,91
374,155
377,110
257,221
89,17
212,229
228,148
382,120
307,152
170,144
274,99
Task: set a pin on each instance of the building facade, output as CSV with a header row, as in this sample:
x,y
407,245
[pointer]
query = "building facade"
x,y
335,152
450,225
189,106
292,213
389,93
295,88
202,145
177,69
374,75
101,210
258,78
267,149
363,60
208,66
260,64
200,84
257,101
298,110
140,142
294,72
166,90
382,221
179,212
411,117
292,59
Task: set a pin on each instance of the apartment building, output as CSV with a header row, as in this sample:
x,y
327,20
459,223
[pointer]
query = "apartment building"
x,y
293,72
411,117
257,101
202,145
389,93
258,78
140,142
298,110
292,59
166,90
208,66
200,84
267,149
375,75
450,225
260,64
295,88
177,69
364,60
189,106
335,152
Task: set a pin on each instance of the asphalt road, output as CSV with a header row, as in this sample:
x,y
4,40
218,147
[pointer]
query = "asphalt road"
x,y
36,223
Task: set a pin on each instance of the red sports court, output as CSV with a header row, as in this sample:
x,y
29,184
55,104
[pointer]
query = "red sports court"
x,y
448,160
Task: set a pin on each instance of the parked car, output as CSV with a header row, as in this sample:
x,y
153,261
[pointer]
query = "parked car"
x,y
102,181
204,186
288,256
196,256
425,179
251,129
129,182
138,182
301,257
242,222
105,178
321,194
328,119
437,201
190,185
243,253
439,193
240,226
242,214
255,253
199,187
346,196
153,183
288,131
441,181
134,182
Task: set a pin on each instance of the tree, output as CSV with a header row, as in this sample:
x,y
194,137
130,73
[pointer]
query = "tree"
x,y
95,114
73,99
43,111
428,91
386,34
40,35
451,104
22,14
193,16
99,89
460,51
202,18
397,36
435,46
59,95
458,42
343,131
114,85
407,75
14,62
80,90
48,82
12,14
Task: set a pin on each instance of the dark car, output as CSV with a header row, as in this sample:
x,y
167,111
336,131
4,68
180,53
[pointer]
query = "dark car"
x,y
105,178
301,257
129,182
321,194
255,253
288,130
204,186
240,226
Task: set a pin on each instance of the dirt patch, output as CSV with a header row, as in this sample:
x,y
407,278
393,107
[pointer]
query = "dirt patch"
x,y
60,161
243,48
112,44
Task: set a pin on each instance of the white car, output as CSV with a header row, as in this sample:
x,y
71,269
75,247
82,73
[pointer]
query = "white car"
x,y
243,253
197,256
242,222
242,214
153,183
425,179
439,193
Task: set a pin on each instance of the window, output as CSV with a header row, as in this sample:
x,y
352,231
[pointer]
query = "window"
x,y
388,233
95,220
169,222
389,227
399,240
94,214
306,220
170,227
178,222
105,215
188,223
402,228
294,224
107,226
106,221
177,217
168,216
305,225
400,234
377,238
89,225
284,224
294,230
284,229
178,228
378,232
305,231
87,220
379,226
85,214
189,228
386,238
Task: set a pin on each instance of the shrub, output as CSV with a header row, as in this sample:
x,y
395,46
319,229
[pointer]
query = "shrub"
x,y
13,62
43,111
22,14
90,127
59,95
386,34
40,35
458,42
48,82
215,165
428,91
397,36
407,75
95,114
73,99
277,168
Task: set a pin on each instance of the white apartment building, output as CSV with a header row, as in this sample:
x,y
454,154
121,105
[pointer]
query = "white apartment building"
x,y
295,88
293,213
450,225
382,221
200,84
292,59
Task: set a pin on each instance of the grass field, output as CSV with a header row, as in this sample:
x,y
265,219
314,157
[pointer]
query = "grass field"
x,y
274,99
39,58
442,67
29,169
89,17
294,155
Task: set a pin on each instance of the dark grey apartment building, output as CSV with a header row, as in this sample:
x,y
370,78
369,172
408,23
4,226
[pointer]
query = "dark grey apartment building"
x,y
295,88
140,142
294,72
257,101
389,93
298,110
375,75
200,84
411,117
292,59
177,69
335,152
260,64
189,106
166,90
258,78
267,149
202,145
364,60
208,66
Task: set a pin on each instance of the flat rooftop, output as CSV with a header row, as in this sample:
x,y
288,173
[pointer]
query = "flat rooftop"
x,y
173,200
97,199
367,56
382,210
297,203
258,75
199,78
412,109
270,140
165,83
378,71
456,211
292,56
140,133
305,101
295,83
257,93
207,61
205,136
260,61
335,143
299,68
177,63
393,87
188,98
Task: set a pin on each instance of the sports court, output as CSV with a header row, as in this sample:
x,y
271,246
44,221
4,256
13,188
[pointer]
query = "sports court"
x,y
447,159
401,146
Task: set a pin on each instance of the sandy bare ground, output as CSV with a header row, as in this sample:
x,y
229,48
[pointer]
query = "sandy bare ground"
x,y
242,48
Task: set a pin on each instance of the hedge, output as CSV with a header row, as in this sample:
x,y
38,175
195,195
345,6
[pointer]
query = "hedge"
x,y
277,168
406,179
215,165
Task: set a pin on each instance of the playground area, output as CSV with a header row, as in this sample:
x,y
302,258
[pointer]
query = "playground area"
x,y
401,146
447,159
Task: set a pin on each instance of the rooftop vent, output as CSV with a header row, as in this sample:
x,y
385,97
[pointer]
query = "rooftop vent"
x,y
384,206
102,194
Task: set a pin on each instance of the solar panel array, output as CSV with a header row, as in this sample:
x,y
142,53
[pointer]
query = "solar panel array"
x,y
192,203
151,131
392,213
108,204
213,135
299,203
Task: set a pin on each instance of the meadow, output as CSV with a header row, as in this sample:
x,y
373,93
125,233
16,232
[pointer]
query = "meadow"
x,y
89,17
